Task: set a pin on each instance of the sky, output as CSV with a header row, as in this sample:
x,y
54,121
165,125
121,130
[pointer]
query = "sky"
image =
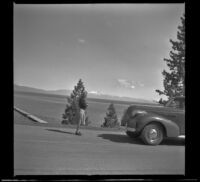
x,y
116,49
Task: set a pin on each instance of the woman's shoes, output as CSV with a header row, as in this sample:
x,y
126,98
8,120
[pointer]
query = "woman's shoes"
x,y
78,133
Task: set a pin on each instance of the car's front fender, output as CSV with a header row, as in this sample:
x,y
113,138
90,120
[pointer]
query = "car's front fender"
x,y
171,128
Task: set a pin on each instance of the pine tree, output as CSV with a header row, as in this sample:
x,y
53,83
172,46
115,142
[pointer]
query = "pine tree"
x,y
111,119
161,101
76,101
174,80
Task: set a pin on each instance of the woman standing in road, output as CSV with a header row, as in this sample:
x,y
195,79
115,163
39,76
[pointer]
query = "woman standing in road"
x,y
81,118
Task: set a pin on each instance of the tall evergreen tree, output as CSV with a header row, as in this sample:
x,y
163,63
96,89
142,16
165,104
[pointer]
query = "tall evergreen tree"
x,y
111,119
76,101
174,80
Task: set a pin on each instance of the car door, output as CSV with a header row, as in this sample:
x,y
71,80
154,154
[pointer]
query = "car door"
x,y
181,115
178,109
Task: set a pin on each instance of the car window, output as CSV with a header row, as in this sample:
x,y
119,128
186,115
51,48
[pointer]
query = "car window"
x,y
182,104
177,103
174,104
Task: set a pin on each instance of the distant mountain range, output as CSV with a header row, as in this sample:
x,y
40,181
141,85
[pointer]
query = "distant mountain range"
x,y
19,88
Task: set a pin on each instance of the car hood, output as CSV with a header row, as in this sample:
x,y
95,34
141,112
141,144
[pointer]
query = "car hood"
x,y
159,110
150,109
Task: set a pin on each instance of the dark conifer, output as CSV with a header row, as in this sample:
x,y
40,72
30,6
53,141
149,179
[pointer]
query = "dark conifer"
x,y
111,119
174,79
76,101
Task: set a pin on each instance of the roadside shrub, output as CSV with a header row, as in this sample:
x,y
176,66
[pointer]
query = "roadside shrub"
x,y
111,119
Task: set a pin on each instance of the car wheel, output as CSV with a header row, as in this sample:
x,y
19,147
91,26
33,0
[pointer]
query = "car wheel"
x,y
131,134
152,134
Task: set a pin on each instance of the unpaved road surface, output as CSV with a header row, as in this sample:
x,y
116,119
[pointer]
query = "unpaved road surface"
x,y
49,150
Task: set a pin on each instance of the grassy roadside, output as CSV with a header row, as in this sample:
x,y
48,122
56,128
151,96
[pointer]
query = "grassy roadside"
x,y
20,119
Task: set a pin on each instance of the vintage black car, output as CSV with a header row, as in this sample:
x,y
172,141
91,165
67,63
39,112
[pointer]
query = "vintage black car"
x,y
154,123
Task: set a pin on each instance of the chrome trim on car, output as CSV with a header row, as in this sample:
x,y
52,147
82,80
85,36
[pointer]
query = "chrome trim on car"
x,y
153,135
130,129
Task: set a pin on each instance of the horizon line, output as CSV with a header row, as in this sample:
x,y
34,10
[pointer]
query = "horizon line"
x,y
87,92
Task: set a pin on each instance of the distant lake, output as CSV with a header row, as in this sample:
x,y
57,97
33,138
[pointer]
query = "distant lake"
x,y
51,107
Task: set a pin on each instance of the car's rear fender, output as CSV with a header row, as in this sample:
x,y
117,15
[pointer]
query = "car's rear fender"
x,y
171,128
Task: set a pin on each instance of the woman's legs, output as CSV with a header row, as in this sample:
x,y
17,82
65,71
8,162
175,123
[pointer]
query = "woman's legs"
x,y
78,124
83,119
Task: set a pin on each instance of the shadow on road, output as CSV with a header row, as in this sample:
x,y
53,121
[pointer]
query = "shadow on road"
x,y
60,131
120,138
125,139
174,141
